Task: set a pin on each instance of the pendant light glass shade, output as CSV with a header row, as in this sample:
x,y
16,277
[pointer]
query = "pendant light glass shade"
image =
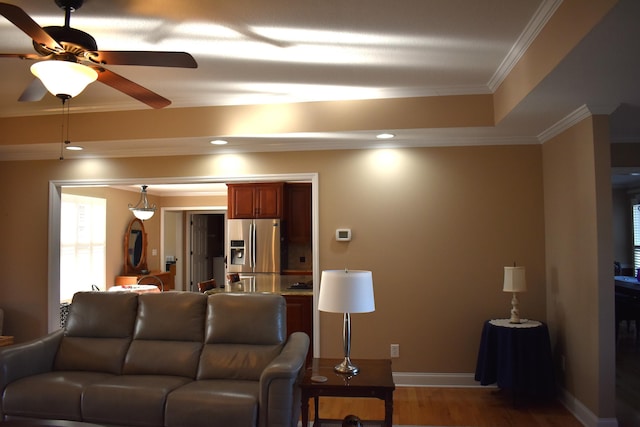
x,y
142,210
64,79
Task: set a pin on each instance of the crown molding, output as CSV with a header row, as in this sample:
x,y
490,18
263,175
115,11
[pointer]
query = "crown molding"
x,y
568,121
531,31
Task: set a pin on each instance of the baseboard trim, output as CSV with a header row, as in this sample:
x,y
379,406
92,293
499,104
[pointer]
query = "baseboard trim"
x,y
584,414
424,379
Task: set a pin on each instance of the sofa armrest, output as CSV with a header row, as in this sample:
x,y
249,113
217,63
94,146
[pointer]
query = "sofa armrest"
x,y
279,384
29,358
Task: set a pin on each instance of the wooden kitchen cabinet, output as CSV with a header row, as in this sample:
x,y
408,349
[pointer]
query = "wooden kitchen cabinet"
x,y
300,318
298,212
255,200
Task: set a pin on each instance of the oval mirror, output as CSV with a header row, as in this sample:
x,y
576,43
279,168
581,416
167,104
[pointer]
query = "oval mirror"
x,y
135,248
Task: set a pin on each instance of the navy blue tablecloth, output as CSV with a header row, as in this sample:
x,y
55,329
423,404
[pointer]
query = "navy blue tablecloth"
x,y
516,359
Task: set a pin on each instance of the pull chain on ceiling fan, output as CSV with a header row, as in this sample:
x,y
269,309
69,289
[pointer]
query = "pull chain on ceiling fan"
x,y
71,56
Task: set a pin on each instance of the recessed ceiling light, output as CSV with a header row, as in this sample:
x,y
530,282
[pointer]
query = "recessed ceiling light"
x,y
385,136
74,148
219,142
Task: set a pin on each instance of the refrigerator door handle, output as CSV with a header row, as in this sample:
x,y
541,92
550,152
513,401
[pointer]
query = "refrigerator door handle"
x,y
252,245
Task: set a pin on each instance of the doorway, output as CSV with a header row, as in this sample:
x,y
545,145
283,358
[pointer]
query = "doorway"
x,y
55,191
206,248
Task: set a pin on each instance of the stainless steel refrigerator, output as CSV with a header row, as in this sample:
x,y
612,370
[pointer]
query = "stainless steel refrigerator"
x,y
253,246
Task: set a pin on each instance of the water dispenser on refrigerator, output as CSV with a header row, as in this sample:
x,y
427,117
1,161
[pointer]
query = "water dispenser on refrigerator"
x,y
237,249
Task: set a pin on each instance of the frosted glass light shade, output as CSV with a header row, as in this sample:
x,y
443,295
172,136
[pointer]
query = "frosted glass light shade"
x,y
64,79
514,279
143,214
346,291
143,210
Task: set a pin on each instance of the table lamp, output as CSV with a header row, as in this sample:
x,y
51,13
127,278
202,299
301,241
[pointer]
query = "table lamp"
x,y
346,291
514,281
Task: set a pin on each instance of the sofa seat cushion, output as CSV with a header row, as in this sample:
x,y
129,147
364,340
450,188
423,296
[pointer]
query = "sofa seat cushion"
x,y
214,403
131,400
54,395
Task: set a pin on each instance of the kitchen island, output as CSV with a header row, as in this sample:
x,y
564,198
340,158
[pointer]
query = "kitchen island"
x,y
283,284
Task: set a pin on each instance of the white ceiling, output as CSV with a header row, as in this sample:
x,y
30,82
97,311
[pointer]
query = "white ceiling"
x,y
262,52
254,52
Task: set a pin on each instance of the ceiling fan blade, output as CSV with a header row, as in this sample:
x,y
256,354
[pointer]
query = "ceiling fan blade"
x,y
20,19
145,58
34,92
22,56
132,89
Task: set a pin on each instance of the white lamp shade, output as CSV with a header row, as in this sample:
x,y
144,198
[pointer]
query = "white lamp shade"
x,y
64,78
514,279
346,291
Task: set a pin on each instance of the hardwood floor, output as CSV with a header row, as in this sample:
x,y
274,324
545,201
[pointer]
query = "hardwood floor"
x,y
486,407
477,407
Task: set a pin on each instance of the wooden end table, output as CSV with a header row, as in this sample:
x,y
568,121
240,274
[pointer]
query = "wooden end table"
x,y
374,380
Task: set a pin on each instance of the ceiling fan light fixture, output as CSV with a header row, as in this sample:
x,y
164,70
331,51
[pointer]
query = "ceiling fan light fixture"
x,y
142,210
64,79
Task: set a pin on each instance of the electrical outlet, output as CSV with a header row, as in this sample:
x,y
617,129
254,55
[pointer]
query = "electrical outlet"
x,y
395,350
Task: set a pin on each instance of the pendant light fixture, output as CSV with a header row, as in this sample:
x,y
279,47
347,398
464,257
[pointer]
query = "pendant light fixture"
x,y
142,210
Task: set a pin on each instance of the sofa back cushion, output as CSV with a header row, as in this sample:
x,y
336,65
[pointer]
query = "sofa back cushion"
x,y
168,334
98,332
244,333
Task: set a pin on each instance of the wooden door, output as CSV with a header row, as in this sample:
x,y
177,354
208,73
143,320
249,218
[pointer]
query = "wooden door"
x,y
199,250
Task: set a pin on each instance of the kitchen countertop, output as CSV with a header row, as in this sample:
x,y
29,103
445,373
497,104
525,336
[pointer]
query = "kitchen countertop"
x,y
265,282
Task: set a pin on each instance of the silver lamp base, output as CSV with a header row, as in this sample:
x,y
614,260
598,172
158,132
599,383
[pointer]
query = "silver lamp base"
x,y
346,367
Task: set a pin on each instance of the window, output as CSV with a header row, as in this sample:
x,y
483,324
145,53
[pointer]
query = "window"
x,y
82,244
636,236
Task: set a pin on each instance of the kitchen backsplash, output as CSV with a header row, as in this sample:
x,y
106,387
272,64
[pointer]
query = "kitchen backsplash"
x,y
300,257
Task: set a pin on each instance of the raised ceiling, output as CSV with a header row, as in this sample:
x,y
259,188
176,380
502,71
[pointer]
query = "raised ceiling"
x,y
253,52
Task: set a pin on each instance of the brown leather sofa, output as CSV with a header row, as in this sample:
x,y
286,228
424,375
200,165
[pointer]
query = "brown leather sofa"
x,y
160,359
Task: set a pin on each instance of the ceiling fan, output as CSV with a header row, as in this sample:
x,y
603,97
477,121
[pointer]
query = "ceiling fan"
x,y
77,52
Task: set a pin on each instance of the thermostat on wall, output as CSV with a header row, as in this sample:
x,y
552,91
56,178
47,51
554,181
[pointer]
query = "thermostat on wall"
x,y
343,234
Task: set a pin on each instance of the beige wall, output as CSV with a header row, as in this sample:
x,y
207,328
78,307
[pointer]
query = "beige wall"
x,y
435,225
579,258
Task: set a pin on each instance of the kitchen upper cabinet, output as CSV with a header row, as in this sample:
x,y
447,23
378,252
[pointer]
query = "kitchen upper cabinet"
x,y
298,212
255,200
